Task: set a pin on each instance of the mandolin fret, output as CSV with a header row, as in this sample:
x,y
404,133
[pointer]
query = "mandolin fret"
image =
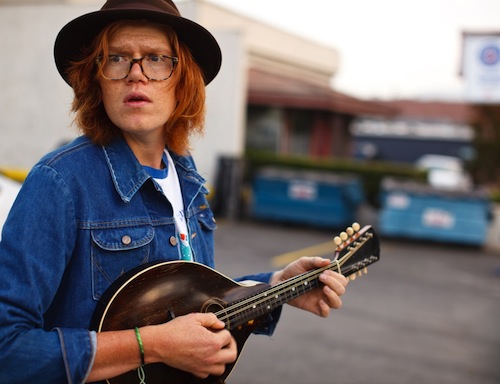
x,y
266,302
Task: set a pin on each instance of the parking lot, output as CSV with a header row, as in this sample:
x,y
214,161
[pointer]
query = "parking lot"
x,y
425,313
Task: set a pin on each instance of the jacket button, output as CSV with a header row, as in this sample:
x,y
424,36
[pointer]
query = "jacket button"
x,y
126,240
173,241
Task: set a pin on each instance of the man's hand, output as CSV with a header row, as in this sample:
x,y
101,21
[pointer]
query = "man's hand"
x,y
318,301
196,343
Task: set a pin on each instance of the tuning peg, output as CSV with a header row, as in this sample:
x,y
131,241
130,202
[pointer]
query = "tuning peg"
x,y
356,226
344,236
337,240
350,231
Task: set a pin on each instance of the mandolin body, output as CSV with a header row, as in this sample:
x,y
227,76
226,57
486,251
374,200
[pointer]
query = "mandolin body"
x,y
156,294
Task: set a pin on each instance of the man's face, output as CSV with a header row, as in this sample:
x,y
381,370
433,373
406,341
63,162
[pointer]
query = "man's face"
x,y
138,106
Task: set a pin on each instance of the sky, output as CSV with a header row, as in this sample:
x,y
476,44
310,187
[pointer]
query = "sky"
x,y
388,49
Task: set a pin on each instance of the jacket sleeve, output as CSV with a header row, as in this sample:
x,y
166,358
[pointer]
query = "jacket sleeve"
x,y
37,241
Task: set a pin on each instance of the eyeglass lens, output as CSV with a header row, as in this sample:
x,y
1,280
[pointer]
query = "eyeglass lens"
x,y
154,67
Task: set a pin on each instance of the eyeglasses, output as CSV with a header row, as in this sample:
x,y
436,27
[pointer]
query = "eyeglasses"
x,y
154,67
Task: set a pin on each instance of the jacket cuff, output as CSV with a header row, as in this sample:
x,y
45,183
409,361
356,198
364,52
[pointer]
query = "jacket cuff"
x,y
78,348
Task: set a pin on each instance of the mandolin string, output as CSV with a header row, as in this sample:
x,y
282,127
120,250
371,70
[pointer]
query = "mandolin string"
x,y
285,293
243,314
255,301
285,286
234,314
283,289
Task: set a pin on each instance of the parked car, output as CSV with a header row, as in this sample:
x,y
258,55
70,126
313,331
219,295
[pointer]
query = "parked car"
x,y
446,172
8,192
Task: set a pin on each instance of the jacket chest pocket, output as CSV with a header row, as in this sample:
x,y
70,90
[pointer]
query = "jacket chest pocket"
x,y
116,251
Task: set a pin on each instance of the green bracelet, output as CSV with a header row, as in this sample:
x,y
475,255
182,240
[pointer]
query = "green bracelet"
x,y
141,346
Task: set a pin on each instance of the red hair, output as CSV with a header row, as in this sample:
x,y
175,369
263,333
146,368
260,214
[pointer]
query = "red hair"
x,y
90,116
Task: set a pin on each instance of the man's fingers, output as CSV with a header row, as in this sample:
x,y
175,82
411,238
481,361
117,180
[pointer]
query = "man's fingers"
x,y
210,321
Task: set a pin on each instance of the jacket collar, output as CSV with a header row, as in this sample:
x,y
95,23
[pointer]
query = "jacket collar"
x,y
128,174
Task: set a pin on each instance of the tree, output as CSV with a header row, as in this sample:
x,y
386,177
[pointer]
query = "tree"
x,y
485,167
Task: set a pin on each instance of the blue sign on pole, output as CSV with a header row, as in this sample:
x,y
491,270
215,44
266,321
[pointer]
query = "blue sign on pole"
x,y
481,67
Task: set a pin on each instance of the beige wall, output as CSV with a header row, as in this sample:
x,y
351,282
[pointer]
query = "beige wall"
x,y
32,2
34,100
271,48
49,2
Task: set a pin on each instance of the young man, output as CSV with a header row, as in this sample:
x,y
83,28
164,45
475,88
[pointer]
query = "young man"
x,y
123,194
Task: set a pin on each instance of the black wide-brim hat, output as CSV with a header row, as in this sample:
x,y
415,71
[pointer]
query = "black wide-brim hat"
x,y
80,32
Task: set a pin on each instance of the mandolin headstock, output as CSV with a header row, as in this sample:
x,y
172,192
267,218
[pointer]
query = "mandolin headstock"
x,y
356,248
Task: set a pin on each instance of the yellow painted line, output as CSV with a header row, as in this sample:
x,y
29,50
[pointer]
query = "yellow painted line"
x,y
18,174
327,248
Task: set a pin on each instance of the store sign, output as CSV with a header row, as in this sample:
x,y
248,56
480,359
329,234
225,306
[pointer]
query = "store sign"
x,y
398,201
438,218
302,190
481,67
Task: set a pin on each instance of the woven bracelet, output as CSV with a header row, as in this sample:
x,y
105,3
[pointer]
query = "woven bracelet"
x,y
141,346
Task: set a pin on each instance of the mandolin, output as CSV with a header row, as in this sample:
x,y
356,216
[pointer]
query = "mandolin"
x,y
158,292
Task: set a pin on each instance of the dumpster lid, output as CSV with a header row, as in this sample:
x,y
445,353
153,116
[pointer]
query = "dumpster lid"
x,y
390,184
289,174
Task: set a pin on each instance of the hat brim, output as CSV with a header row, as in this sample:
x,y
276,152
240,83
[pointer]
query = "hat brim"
x,y
81,31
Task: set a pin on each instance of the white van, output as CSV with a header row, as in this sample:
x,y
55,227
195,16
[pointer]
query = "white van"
x,y
445,172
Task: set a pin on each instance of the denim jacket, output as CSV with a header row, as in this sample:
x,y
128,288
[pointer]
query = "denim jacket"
x,y
85,215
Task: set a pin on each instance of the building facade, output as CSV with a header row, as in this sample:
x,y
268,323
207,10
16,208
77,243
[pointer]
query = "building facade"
x,y
273,91
416,129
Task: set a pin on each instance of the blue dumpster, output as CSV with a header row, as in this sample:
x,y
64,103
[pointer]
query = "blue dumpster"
x,y
419,211
315,198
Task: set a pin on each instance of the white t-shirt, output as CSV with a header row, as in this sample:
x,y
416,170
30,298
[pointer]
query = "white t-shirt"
x,y
169,182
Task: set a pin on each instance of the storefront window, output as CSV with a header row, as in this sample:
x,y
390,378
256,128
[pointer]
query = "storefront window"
x,y
301,125
264,127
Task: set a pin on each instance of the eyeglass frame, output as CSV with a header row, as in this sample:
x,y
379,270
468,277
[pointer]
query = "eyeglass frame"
x,y
132,61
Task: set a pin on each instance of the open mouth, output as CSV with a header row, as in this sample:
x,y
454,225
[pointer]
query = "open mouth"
x,y
136,98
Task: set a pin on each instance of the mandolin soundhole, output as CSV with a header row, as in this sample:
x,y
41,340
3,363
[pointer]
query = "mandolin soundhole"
x,y
215,305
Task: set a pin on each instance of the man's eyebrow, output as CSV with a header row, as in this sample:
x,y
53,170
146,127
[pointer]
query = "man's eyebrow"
x,y
153,48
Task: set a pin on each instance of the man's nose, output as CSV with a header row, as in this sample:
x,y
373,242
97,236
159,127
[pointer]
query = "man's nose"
x,y
136,73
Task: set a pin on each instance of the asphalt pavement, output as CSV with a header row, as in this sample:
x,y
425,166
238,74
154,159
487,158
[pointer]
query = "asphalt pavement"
x,y
424,313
